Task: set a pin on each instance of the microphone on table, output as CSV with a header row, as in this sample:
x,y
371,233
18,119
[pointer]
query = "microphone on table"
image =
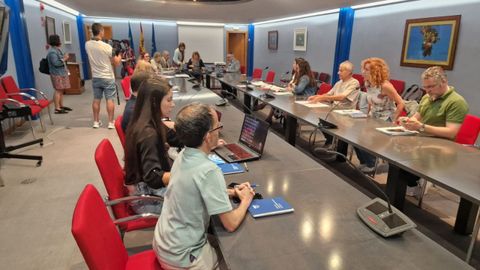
x,y
323,123
379,214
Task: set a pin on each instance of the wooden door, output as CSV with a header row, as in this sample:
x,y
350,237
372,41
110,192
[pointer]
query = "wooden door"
x,y
237,44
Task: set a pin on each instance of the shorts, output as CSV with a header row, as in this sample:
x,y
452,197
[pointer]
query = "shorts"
x,y
104,87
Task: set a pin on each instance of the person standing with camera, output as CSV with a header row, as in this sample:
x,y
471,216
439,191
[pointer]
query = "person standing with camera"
x,y
102,58
58,73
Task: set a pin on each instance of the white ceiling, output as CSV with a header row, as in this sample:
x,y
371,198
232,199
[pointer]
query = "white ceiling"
x,y
242,12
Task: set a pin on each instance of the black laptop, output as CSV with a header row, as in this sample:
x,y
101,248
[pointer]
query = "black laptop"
x,y
251,143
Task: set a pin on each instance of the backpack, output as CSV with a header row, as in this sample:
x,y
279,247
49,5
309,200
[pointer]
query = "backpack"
x,y
43,68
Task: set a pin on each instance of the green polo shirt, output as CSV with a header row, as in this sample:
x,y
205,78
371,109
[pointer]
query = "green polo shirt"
x,y
450,107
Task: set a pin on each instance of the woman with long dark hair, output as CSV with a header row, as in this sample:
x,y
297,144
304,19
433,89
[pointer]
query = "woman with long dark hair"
x,y
147,166
304,83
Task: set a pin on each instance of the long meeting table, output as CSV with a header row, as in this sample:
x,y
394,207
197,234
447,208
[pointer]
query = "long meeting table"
x,y
443,162
324,231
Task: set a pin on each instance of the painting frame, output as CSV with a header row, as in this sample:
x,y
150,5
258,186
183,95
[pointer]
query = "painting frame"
x,y
273,40
433,48
50,27
300,39
67,33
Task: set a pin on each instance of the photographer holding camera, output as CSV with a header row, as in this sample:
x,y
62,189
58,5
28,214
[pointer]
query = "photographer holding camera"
x,y
102,58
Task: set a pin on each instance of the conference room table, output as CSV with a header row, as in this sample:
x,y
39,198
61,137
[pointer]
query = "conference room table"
x,y
324,231
443,162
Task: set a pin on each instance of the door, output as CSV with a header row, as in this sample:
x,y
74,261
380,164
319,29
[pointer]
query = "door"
x,y
237,44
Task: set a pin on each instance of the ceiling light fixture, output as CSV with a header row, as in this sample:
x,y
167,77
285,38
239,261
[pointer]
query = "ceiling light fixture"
x,y
200,23
60,6
379,3
325,12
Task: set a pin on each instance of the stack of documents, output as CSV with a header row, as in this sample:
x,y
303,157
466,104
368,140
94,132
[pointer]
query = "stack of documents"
x,y
312,105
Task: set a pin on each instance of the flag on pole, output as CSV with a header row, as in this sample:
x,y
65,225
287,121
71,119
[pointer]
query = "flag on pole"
x,y
141,47
130,36
154,43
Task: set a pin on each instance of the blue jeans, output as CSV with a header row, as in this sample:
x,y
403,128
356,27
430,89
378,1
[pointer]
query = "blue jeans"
x,y
146,206
365,157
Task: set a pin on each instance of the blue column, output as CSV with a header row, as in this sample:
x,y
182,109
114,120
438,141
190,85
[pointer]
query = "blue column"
x,y
344,39
20,44
81,41
251,40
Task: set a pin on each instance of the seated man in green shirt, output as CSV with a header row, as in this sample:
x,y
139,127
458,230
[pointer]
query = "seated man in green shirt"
x,y
442,109
441,113
196,192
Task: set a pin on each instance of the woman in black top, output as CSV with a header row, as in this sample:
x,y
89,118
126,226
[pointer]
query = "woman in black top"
x,y
196,65
147,166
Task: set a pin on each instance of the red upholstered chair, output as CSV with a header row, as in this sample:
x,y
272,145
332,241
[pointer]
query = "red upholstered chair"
x,y
113,178
12,90
398,85
243,70
126,87
324,77
270,77
35,109
98,238
257,74
469,130
324,88
118,128
360,79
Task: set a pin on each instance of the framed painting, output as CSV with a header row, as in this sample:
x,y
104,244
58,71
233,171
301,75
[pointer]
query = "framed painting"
x,y
272,40
67,34
300,39
49,26
430,42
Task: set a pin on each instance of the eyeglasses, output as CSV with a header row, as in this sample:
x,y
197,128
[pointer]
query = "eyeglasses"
x,y
217,128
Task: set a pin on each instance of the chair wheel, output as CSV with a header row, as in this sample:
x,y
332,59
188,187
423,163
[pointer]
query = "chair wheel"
x,y
39,163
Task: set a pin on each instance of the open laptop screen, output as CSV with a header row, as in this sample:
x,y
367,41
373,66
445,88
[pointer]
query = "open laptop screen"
x,y
254,133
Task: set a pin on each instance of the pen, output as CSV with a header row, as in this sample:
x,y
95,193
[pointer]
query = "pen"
x,y
245,165
252,186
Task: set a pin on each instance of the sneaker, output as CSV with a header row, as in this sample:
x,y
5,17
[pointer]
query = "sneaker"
x,y
111,125
97,124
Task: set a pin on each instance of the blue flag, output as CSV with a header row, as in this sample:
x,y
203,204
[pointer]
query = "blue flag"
x,y
154,43
130,36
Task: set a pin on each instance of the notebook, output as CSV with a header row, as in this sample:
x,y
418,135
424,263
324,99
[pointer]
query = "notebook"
x,y
251,143
397,131
231,168
269,207
311,105
352,113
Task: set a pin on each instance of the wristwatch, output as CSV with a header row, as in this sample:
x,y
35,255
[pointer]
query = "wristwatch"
x,y
422,128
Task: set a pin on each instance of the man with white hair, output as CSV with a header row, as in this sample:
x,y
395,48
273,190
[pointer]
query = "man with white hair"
x,y
233,65
344,95
165,61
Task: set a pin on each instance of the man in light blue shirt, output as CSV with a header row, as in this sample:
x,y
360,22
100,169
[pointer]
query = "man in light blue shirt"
x,y
196,192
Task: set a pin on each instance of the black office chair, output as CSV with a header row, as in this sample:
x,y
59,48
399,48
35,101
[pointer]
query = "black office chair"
x,y
10,110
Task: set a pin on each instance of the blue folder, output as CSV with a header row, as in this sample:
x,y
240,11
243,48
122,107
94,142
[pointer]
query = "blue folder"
x,y
231,168
269,207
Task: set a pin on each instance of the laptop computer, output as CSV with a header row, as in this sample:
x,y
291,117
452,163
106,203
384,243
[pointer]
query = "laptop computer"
x,y
251,143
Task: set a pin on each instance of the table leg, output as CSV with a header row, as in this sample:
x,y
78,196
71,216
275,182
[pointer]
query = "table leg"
x,y
473,240
247,102
466,216
342,147
207,81
397,185
291,129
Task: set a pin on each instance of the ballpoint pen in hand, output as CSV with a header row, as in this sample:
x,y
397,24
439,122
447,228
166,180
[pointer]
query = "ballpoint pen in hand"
x,y
245,165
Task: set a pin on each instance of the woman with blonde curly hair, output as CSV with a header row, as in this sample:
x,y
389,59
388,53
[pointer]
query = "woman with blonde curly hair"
x,y
384,102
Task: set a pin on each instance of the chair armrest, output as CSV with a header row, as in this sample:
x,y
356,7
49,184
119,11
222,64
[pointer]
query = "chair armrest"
x,y
25,95
133,198
135,217
35,90
13,101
